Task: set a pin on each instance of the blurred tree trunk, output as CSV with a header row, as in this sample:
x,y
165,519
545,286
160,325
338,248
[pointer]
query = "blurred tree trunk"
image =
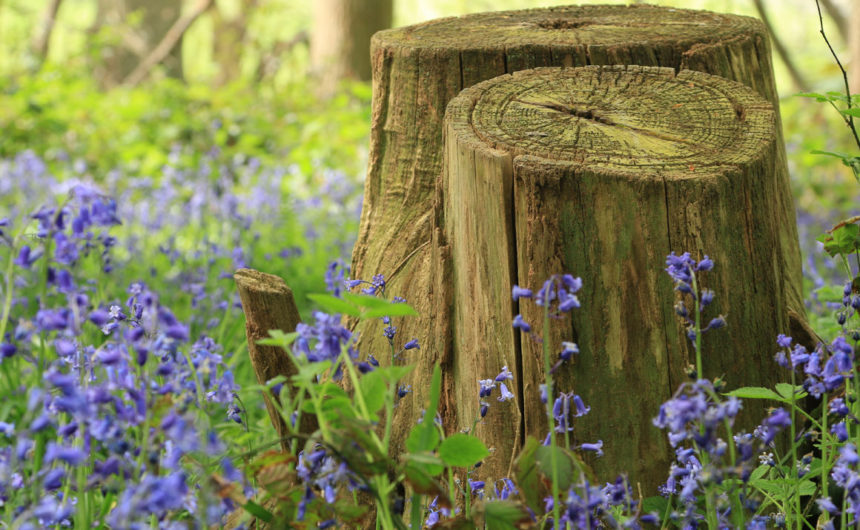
x,y
156,18
854,43
43,39
230,34
340,41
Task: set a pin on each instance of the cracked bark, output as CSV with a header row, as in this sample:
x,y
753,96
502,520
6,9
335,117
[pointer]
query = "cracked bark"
x,y
637,162
417,70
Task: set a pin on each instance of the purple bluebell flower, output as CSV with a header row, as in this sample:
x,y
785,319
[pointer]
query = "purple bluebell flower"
x,y
521,292
487,386
521,324
504,375
596,447
411,345
506,395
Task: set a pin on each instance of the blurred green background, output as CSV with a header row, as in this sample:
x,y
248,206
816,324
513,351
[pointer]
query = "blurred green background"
x,y
85,86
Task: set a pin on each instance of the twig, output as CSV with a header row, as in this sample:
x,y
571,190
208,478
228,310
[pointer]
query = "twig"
x,y
171,38
849,120
781,50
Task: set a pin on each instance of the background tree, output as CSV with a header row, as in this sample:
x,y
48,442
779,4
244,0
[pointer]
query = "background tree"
x,y
340,41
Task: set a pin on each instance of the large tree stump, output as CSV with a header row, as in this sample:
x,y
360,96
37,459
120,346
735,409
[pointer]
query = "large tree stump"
x,y
418,69
601,172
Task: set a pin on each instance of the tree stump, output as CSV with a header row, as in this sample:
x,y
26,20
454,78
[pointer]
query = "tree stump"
x,y
268,304
418,69
601,171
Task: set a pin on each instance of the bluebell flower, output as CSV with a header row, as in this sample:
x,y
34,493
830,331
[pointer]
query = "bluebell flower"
x,y
504,375
521,324
26,257
596,447
70,455
412,344
520,292
486,387
506,395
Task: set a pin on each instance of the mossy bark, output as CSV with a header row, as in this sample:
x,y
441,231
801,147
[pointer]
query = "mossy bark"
x,y
418,69
601,172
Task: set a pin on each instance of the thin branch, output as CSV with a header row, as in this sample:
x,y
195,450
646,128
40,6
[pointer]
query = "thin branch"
x,y
163,49
849,120
43,41
796,77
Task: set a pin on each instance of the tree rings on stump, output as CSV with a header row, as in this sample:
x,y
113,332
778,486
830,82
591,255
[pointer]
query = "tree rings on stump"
x,y
601,172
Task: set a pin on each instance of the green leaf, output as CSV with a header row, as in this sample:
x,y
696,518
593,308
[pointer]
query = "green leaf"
x,y
423,482
846,237
366,300
504,515
526,473
657,504
786,390
333,304
373,389
759,472
755,392
564,467
258,511
433,465
393,310
425,436
829,293
462,450
855,112
394,373
379,307
279,338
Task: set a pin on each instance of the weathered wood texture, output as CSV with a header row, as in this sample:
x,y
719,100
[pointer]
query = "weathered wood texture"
x,y
268,304
418,69
601,171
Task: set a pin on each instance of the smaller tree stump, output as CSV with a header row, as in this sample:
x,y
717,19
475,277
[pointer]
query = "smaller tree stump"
x,y
601,171
268,304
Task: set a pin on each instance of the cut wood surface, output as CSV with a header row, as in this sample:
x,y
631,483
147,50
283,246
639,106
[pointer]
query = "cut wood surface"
x,y
601,172
418,69
268,304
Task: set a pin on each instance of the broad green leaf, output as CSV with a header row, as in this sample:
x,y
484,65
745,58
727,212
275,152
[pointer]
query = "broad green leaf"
x,y
373,389
425,436
656,504
393,310
258,511
279,338
855,112
526,472
504,515
462,450
366,300
394,373
379,307
786,390
846,237
564,467
423,482
829,293
426,458
760,471
755,392
333,304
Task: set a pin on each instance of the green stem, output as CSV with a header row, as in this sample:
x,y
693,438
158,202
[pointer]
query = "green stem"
x,y
795,504
824,456
547,365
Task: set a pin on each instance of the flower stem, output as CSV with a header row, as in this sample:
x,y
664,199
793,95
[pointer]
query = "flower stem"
x,y
547,365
